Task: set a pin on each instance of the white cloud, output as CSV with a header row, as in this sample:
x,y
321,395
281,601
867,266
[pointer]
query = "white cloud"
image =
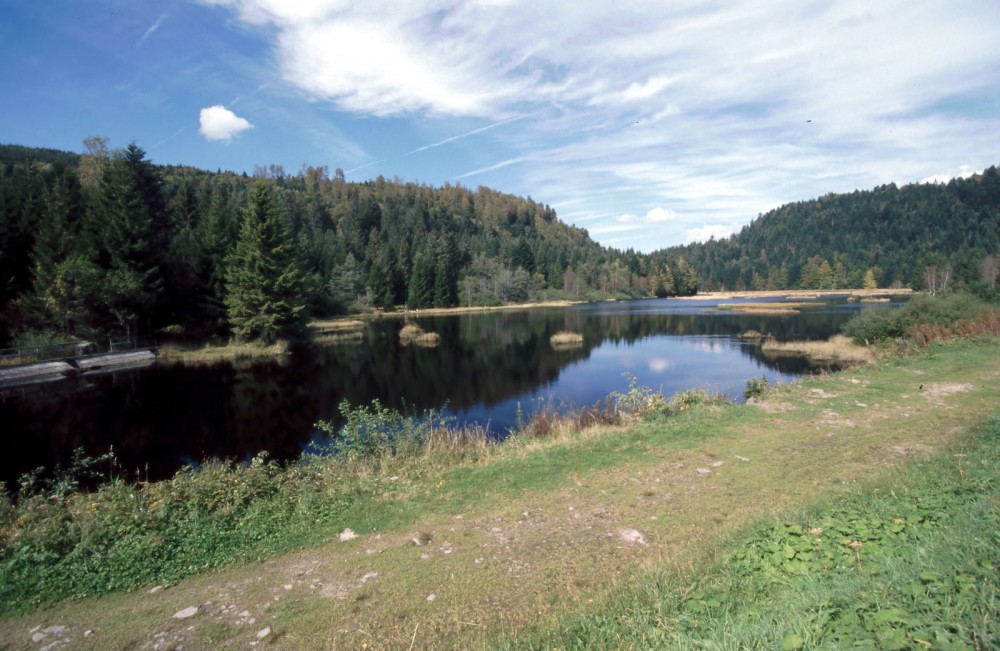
x,y
963,172
219,123
660,215
651,87
654,216
703,233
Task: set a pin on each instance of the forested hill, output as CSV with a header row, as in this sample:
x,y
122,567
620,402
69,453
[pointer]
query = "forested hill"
x,y
107,242
920,236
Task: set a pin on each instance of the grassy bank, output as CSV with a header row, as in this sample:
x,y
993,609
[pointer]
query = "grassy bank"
x,y
910,560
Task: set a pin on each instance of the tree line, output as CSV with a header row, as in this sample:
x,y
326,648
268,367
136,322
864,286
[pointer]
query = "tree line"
x,y
923,236
105,242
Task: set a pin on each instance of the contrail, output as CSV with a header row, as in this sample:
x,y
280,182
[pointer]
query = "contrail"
x,y
469,133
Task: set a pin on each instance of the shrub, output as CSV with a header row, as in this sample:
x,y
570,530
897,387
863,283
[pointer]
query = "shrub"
x,y
638,401
756,387
872,325
690,398
922,319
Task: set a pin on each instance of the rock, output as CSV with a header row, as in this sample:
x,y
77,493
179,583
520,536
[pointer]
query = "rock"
x,y
264,632
54,630
716,464
632,536
703,471
369,576
37,637
288,586
394,478
431,597
88,633
347,534
190,611
155,589
415,541
739,458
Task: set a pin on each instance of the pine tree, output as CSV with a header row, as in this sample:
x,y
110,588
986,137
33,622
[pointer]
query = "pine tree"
x,y
62,287
129,225
264,289
445,274
421,288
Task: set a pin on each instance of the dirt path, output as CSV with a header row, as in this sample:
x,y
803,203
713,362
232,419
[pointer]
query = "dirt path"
x,y
455,578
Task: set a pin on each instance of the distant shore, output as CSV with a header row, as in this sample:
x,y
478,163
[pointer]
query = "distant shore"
x,y
797,294
335,324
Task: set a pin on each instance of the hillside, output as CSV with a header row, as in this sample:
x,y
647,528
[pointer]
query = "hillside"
x,y
897,233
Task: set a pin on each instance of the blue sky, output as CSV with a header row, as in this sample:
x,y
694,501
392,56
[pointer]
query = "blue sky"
x,y
647,123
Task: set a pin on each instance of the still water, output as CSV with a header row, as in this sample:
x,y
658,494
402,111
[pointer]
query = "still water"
x,y
486,367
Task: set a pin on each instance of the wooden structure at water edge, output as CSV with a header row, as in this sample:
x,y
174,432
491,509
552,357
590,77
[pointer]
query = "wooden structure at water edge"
x,y
49,370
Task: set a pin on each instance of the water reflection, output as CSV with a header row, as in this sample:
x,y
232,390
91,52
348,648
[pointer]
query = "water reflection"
x,y
486,368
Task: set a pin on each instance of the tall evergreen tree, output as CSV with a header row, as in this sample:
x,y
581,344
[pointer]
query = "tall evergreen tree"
x,y
421,287
264,289
130,230
445,274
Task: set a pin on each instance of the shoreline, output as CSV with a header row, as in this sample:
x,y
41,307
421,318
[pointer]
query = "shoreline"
x,y
332,323
795,293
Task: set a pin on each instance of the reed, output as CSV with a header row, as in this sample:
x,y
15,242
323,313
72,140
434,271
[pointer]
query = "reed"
x,y
837,349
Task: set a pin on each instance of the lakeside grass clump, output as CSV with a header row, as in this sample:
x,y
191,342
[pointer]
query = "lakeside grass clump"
x,y
414,334
566,340
234,351
839,348
908,561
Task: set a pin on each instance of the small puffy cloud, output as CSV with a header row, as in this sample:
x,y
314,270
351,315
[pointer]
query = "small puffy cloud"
x,y
703,233
219,123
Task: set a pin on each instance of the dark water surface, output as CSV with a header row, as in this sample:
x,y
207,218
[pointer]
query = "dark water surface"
x,y
486,367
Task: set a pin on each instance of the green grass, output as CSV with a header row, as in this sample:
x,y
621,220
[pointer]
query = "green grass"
x,y
910,561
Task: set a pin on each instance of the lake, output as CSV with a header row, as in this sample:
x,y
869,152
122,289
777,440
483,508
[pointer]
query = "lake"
x,y
487,368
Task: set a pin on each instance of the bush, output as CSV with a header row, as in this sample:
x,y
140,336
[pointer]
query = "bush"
x,y
638,401
756,387
943,311
872,325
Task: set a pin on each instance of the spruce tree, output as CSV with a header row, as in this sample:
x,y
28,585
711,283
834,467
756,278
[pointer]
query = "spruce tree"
x,y
421,287
264,287
129,226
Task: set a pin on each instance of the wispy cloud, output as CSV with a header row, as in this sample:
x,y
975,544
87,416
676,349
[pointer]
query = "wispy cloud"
x,y
152,28
714,112
493,168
